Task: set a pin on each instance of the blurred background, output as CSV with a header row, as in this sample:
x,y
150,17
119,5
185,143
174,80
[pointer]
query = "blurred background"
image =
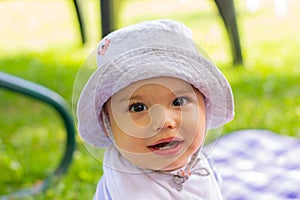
x,y
40,41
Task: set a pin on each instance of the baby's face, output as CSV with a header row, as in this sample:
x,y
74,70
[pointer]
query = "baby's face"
x,y
158,123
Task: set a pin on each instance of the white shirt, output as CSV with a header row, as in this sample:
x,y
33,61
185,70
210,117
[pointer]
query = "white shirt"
x,y
133,183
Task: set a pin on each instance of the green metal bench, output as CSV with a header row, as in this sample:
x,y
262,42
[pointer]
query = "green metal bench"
x,y
50,98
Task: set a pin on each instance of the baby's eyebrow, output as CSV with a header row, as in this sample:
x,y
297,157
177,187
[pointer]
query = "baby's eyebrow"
x,y
178,92
126,99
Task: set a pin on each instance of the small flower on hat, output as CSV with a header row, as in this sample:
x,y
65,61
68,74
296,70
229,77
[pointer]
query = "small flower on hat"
x,y
103,48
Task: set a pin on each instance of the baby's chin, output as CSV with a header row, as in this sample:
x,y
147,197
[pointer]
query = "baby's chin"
x,y
151,161
178,164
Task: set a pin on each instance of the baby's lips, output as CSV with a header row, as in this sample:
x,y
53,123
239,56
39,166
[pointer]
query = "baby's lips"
x,y
167,140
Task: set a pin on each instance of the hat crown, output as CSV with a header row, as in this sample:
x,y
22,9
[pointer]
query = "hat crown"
x,y
145,34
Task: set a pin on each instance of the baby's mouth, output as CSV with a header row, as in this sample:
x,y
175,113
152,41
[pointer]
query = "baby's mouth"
x,y
167,146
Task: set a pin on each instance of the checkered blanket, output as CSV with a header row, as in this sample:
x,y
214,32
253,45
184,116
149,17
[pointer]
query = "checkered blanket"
x,y
257,165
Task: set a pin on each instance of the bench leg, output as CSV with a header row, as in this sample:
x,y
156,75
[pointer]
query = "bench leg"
x,y
79,15
227,12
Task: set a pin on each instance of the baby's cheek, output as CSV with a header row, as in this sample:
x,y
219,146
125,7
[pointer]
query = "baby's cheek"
x,y
194,131
140,120
131,144
193,121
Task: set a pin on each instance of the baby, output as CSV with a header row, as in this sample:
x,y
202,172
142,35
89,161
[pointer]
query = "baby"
x,y
150,103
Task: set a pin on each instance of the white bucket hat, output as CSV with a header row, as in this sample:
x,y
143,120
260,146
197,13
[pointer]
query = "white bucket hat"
x,y
146,50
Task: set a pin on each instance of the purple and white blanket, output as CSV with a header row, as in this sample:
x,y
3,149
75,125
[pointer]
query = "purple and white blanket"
x,y
257,165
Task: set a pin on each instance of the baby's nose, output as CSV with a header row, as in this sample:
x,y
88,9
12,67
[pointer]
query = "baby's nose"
x,y
162,118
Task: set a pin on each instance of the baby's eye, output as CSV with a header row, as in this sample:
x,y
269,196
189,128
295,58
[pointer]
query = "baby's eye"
x,y
137,107
180,101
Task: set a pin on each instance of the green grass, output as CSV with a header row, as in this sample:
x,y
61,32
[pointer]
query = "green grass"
x,y
266,89
32,134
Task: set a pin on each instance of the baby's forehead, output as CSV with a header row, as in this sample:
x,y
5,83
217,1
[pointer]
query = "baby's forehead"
x,y
174,85
163,81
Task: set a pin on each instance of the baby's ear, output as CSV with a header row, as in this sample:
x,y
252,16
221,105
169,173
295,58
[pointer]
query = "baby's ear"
x,y
104,109
104,117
